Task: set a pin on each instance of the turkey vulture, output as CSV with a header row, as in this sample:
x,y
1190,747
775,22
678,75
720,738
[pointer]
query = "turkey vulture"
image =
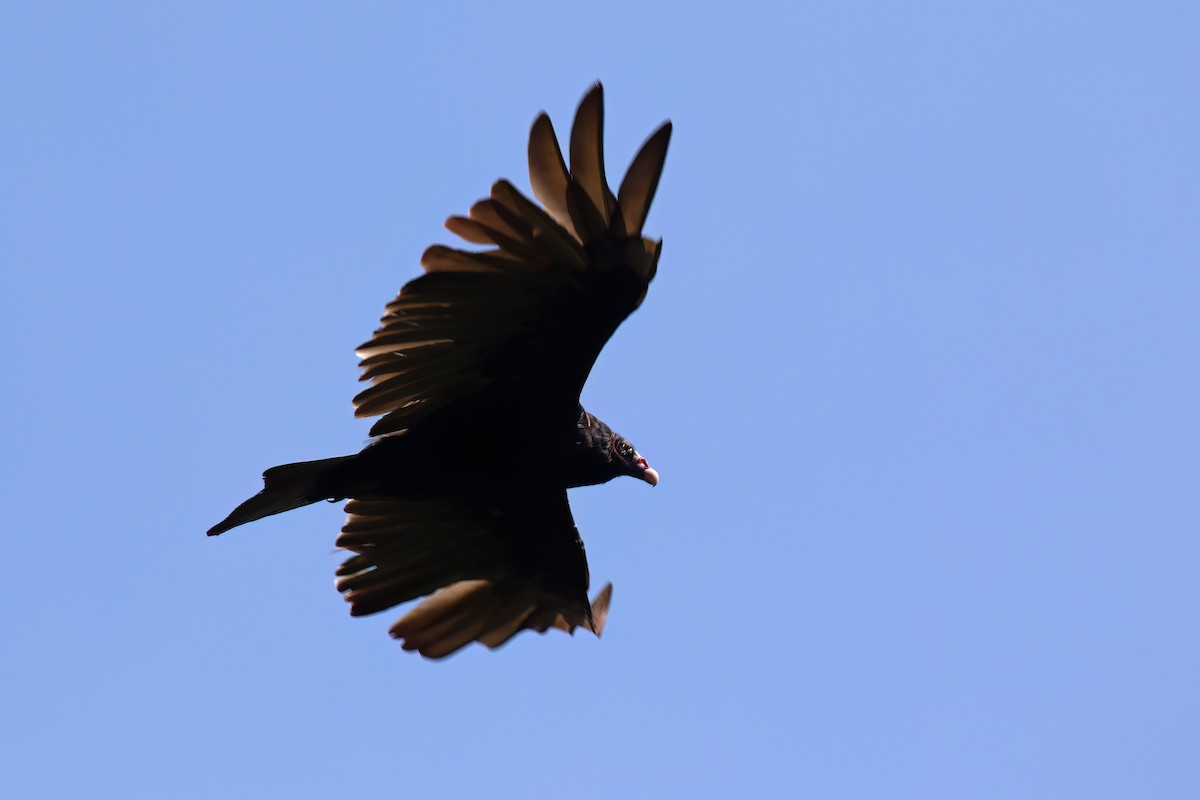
x,y
475,374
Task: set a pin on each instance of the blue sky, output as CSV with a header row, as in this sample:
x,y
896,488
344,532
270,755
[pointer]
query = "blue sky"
x,y
918,370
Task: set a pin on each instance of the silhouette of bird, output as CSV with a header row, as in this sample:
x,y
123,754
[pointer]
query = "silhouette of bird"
x,y
475,373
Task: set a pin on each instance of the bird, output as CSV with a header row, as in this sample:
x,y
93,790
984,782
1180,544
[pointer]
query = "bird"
x,y
475,373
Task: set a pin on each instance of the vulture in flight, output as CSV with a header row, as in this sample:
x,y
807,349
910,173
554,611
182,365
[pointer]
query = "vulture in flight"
x,y
475,374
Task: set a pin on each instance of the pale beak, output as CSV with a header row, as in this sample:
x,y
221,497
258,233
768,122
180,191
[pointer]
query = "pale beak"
x,y
649,474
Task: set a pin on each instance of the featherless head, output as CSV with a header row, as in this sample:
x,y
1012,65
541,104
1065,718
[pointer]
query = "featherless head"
x,y
614,451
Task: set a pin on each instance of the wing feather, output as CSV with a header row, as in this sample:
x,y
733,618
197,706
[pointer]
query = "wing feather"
x,y
641,181
547,173
587,152
490,567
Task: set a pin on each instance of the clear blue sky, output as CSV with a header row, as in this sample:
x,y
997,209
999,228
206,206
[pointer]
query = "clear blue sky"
x,y
919,371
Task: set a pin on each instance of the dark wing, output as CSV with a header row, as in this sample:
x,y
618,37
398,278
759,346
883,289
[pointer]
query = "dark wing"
x,y
527,317
495,566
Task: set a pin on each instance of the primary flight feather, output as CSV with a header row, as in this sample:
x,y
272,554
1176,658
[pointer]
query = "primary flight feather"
x,y
475,374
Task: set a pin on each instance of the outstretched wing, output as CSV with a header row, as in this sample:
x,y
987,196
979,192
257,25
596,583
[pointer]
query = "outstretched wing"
x,y
493,566
528,316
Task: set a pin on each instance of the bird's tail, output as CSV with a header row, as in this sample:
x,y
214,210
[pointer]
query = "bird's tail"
x,y
286,487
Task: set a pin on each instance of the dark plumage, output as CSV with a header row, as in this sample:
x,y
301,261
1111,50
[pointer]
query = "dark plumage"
x,y
476,372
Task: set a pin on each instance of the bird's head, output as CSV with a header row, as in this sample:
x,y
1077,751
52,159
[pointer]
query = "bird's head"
x,y
630,461
601,454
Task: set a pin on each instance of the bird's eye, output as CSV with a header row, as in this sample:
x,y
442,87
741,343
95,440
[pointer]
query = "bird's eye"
x,y
620,447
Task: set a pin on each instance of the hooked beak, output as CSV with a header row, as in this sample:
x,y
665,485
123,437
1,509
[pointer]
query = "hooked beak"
x,y
649,474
